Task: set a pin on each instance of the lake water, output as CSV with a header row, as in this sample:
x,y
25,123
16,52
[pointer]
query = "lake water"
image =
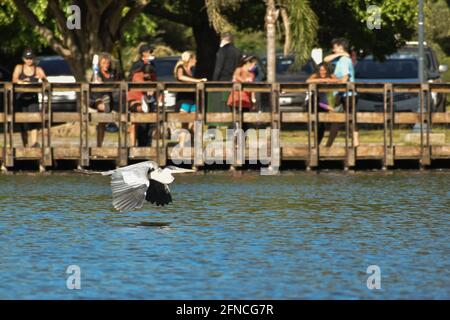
x,y
229,236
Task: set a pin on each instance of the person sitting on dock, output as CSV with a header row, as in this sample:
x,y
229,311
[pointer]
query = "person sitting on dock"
x,y
26,73
322,75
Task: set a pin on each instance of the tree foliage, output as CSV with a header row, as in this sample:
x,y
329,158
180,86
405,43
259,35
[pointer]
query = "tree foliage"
x,y
111,24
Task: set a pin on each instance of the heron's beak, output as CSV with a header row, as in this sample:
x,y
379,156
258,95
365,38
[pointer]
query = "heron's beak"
x,y
180,170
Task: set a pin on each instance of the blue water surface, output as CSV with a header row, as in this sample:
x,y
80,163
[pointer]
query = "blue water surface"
x,y
229,236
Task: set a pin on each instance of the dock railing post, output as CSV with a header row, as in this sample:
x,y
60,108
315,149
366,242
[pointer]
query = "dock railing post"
x,y
46,158
350,125
198,130
84,126
123,118
9,128
237,124
425,151
161,126
313,119
388,119
275,150
2,160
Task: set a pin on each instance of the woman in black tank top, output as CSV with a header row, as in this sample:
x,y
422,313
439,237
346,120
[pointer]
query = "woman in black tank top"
x,y
186,100
24,73
104,102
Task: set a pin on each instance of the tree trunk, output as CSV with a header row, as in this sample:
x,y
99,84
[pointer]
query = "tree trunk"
x,y
287,31
271,18
207,41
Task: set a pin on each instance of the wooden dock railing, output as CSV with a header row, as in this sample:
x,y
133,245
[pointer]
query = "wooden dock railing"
x,y
387,151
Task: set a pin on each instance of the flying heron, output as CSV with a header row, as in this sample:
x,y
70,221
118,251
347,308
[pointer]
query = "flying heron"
x,y
133,184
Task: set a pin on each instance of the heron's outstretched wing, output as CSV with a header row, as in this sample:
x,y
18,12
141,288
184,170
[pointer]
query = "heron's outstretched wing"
x,y
136,166
129,184
158,193
130,199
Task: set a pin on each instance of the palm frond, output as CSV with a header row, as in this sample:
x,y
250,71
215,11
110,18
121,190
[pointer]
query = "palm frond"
x,y
304,24
215,8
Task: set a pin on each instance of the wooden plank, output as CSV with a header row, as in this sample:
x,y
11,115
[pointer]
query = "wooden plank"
x,y
370,117
440,152
145,86
59,117
143,117
60,153
28,117
406,87
406,152
336,117
294,117
177,156
143,152
27,88
219,117
101,117
440,87
104,153
212,90
181,117
252,117
369,88
294,153
28,153
441,118
370,152
256,87
406,118
332,152
65,87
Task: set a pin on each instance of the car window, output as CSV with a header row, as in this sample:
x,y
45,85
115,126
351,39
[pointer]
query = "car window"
x,y
164,68
286,66
389,69
55,67
430,63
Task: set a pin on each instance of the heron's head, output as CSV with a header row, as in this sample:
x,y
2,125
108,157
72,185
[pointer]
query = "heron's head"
x,y
166,175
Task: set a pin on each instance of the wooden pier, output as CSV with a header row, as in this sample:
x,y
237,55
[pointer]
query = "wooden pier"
x,y
387,152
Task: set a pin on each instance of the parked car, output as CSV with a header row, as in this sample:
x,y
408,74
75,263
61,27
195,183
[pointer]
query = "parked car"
x,y
400,67
287,72
5,76
58,71
164,71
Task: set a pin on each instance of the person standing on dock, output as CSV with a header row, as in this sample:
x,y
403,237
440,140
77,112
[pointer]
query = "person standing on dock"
x,y
186,101
103,102
228,58
345,72
145,57
25,73
142,102
244,74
